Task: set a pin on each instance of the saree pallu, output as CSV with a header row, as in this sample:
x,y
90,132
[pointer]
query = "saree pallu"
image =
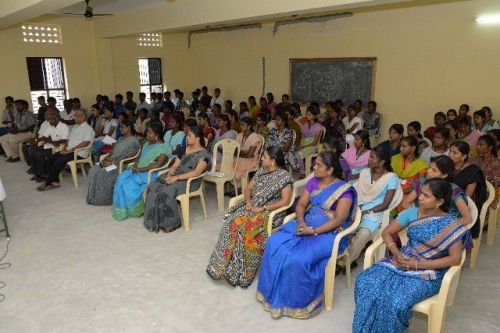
x,y
241,241
130,186
291,281
385,293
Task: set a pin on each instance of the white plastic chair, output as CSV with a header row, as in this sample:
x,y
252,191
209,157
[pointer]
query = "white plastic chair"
x,y
434,307
428,141
122,162
259,152
492,224
184,199
230,154
482,218
81,161
3,217
332,262
308,158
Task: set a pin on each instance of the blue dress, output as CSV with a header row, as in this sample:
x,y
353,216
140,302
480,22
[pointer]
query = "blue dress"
x,y
385,294
291,280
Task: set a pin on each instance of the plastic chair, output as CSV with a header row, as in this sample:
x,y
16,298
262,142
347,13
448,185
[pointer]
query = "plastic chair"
x,y
260,151
81,161
482,218
3,218
492,225
308,159
434,307
234,201
375,138
230,153
428,141
184,199
332,262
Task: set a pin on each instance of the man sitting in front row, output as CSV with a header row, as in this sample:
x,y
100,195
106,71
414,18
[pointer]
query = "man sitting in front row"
x,y
81,136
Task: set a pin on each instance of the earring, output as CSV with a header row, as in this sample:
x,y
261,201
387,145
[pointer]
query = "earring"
x,y
437,206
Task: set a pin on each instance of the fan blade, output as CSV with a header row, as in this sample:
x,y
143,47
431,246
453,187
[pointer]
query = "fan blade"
x,y
103,14
72,14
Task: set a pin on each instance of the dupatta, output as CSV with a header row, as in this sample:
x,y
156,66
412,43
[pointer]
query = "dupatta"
x,y
369,191
350,155
150,153
412,170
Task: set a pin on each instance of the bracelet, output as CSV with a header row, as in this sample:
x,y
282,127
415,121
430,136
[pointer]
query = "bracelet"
x,y
314,231
391,244
416,264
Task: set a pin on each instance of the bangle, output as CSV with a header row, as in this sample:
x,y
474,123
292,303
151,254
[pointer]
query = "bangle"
x,y
391,244
416,264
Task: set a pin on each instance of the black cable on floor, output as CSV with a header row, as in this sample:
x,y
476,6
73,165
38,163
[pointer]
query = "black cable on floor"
x,y
4,265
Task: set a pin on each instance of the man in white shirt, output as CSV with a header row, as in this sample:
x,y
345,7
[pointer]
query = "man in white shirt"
x,y
81,136
142,104
68,114
217,99
50,140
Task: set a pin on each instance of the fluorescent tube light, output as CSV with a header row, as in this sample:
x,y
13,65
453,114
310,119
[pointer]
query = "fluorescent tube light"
x,y
488,19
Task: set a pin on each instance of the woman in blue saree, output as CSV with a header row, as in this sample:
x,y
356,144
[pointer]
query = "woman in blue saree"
x,y
130,184
291,280
386,292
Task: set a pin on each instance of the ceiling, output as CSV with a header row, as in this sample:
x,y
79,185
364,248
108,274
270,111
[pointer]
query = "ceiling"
x,y
109,6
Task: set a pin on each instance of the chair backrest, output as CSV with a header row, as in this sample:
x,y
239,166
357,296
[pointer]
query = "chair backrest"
x,y
301,183
230,154
294,137
352,228
386,218
473,212
3,195
491,196
261,148
323,134
429,142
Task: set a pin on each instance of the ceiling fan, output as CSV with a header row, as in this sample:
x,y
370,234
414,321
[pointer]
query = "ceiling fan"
x,y
88,11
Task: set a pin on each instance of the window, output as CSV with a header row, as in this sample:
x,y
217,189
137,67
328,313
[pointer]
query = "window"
x,y
150,76
150,40
47,79
41,33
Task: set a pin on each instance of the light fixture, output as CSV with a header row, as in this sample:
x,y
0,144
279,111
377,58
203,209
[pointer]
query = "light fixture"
x,y
488,19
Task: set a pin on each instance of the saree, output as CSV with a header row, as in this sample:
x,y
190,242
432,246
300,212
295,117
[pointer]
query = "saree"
x,y
469,175
161,208
241,241
246,163
356,163
277,138
129,186
408,173
102,182
297,263
385,294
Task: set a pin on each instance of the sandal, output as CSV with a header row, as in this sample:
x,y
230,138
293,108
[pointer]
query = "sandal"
x,y
49,187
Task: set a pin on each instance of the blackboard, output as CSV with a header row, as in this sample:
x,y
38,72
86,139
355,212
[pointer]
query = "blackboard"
x,y
324,80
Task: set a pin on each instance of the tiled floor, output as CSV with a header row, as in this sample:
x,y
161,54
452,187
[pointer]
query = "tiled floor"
x,y
74,269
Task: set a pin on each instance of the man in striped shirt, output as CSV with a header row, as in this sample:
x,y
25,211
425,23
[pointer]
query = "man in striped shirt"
x,y
21,131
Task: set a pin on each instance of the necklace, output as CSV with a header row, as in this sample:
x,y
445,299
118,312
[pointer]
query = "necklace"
x,y
322,185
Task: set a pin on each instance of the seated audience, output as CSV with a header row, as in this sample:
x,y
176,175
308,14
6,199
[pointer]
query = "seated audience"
x,y
394,143
8,115
310,137
95,120
40,115
140,123
217,98
492,123
441,167
261,125
108,128
284,105
224,132
371,119
22,130
119,107
250,145
439,145
453,127
451,115
101,180
68,113
413,129
407,165
334,125
386,292
378,189
208,131
295,261
466,133
130,104
439,120
175,135
357,156
282,137
293,125
254,108
271,104
353,123
469,178
131,183
463,111
244,112
80,136
50,140
205,98
241,241
161,211
480,122
233,119
333,145
142,104
487,160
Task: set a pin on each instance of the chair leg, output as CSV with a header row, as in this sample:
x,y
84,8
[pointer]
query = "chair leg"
x,y
244,181
72,166
435,320
347,264
4,220
236,188
220,195
60,178
82,167
185,211
329,283
492,226
21,152
203,205
475,252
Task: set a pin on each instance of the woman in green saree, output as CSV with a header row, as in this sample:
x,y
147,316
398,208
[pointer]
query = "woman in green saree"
x,y
130,185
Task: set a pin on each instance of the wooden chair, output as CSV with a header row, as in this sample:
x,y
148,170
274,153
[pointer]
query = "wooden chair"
x,y
78,161
230,153
482,218
260,151
234,201
434,307
332,262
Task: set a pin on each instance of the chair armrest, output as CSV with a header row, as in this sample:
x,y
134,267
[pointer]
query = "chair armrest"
x,y
125,160
236,200
76,151
188,184
288,218
370,252
272,216
150,172
103,157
